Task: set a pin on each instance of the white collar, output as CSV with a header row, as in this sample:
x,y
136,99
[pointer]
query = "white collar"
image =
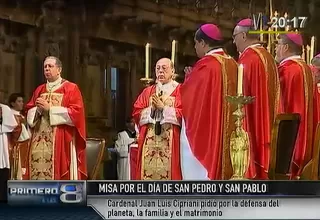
x,y
250,46
214,51
290,58
167,88
15,112
55,83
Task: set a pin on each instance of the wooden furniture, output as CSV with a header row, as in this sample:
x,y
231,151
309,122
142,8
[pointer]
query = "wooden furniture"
x,y
311,169
283,139
95,149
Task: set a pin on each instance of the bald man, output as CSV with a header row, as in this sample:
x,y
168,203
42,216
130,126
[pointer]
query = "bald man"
x,y
157,112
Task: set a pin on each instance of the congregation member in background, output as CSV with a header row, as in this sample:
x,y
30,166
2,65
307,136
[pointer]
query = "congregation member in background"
x,y
260,80
56,116
125,138
157,112
206,130
7,125
18,139
297,89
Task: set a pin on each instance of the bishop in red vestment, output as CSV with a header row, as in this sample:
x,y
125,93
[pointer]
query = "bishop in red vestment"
x,y
157,112
56,116
315,68
261,80
297,86
207,116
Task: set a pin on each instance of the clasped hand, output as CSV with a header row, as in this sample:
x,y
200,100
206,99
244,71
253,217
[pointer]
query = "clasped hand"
x,y
157,103
42,104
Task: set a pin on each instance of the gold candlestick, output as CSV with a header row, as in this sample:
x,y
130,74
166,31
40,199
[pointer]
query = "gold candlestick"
x,y
146,81
239,140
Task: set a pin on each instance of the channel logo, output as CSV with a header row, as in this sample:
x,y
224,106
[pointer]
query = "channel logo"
x,y
71,193
47,192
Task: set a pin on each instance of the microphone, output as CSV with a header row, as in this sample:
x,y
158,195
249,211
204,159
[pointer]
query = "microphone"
x,y
159,94
0,115
157,127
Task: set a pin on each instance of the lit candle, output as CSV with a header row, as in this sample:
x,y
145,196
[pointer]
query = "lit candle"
x,y
308,55
269,40
173,51
303,53
240,79
147,60
276,27
271,9
313,42
287,26
261,29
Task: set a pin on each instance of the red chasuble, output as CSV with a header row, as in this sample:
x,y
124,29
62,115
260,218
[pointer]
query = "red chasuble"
x,y
205,136
158,155
316,98
296,83
51,145
261,80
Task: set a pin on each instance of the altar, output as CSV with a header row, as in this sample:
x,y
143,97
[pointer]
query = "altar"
x,y
132,158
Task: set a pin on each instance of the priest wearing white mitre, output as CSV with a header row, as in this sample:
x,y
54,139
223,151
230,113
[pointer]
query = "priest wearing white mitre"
x,y
7,124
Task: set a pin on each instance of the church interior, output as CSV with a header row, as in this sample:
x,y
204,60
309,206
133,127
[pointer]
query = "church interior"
x,y
102,45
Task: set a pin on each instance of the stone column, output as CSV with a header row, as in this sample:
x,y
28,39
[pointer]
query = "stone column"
x,y
74,48
29,63
52,35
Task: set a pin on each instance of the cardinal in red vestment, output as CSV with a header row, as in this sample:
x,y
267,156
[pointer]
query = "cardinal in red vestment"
x,y
261,80
157,112
296,82
207,116
56,116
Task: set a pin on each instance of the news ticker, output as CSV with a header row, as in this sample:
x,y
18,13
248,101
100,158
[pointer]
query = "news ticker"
x,y
179,200
77,192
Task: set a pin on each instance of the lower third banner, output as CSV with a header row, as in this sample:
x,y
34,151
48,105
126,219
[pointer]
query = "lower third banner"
x,y
206,208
